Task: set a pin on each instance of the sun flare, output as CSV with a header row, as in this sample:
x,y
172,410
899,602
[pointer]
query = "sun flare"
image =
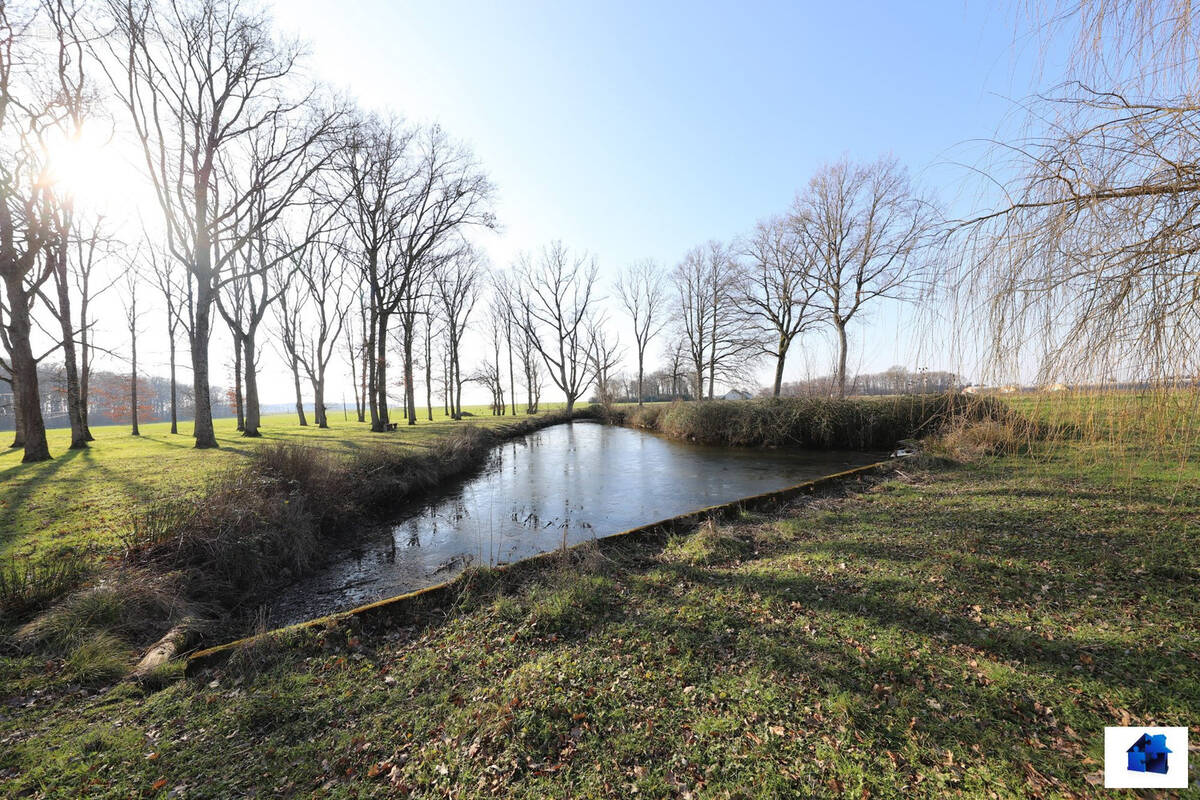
x,y
85,167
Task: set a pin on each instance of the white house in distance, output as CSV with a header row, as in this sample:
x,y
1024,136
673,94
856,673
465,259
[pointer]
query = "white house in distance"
x,y
736,394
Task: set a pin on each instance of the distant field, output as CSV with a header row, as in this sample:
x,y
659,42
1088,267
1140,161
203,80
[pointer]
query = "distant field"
x,y
82,498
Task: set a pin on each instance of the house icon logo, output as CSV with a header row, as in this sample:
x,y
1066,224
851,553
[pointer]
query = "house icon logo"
x,y
1149,754
1145,757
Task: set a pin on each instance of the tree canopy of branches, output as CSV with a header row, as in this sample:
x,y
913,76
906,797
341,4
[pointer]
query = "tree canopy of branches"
x,y
711,324
778,288
210,94
865,229
555,301
642,290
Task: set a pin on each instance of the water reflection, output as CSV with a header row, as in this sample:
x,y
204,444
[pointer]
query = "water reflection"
x,y
555,487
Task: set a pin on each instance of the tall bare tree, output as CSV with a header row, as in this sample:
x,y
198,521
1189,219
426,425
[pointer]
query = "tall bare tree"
x,y
211,93
604,353
864,226
720,341
457,287
289,318
556,297
643,293
448,193
132,318
26,221
174,294
323,275
376,171
777,288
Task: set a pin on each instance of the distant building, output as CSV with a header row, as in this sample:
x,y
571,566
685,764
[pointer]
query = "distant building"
x,y
736,394
972,389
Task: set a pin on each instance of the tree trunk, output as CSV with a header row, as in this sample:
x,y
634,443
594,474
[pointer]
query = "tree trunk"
x,y
410,397
24,369
237,384
300,400
18,415
174,397
841,367
79,437
253,417
362,408
85,365
133,394
641,373
205,435
319,410
379,396
783,348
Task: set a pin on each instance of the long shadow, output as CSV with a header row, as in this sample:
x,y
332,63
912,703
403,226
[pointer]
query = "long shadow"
x,y
19,495
878,601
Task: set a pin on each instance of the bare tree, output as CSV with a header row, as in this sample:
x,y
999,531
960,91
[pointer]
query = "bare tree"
x,y
447,193
778,289
457,291
132,318
26,226
74,104
290,321
720,341
322,274
864,226
643,294
556,295
210,94
375,168
174,294
604,353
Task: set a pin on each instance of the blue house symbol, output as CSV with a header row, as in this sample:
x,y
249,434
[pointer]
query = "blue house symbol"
x,y
1149,754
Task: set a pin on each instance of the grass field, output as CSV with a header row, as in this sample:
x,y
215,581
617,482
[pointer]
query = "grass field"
x,y
949,629
963,630
82,499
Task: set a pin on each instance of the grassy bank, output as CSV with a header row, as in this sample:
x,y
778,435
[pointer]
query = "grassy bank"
x,y
858,423
964,629
81,500
200,559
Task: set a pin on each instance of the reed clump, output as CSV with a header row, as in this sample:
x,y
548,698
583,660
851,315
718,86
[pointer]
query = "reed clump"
x,y
820,423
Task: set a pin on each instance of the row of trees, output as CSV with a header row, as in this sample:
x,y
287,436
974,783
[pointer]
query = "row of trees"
x,y
330,233
857,234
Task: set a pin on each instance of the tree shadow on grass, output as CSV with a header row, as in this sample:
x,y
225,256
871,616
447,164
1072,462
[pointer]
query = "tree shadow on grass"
x,y
19,493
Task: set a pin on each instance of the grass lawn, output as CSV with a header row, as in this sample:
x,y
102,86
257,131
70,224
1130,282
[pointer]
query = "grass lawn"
x,y
964,630
82,498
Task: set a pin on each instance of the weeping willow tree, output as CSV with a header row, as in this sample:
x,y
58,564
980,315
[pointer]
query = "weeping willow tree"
x,y
1088,269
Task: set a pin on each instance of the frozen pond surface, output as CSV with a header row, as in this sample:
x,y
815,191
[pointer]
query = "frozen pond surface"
x,y
570,482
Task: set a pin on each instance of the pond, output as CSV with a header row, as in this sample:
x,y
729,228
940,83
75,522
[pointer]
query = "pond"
x,y
561,485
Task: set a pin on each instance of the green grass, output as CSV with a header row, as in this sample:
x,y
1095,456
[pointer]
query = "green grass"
x,y
968,630
82,499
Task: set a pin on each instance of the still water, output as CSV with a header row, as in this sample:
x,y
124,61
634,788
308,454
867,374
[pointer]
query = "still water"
x,y
563,484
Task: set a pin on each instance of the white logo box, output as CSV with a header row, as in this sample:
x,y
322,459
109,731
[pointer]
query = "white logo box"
x,y
1117,775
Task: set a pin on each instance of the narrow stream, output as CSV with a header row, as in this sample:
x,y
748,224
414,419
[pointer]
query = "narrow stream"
x,y
564,484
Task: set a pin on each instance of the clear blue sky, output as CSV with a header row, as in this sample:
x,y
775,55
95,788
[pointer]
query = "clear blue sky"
x,y
638,130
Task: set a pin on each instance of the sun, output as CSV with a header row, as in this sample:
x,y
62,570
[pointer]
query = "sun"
x,y
85,167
